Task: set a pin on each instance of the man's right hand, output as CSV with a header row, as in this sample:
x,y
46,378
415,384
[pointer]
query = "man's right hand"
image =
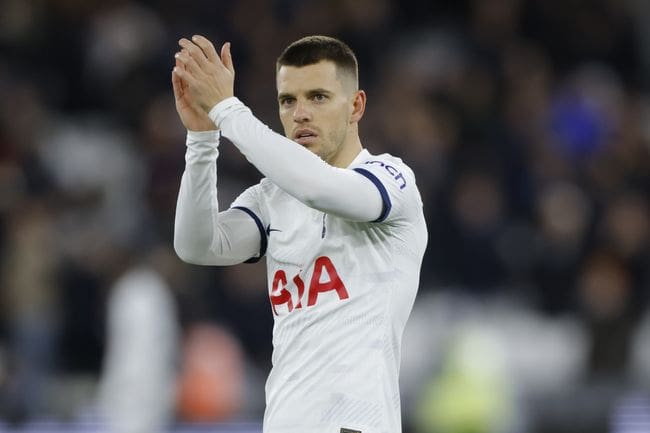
x,y
194,118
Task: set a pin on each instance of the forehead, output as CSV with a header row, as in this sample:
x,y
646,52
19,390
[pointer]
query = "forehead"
x,y
296,79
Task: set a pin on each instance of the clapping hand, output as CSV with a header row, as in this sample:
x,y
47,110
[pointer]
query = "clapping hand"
x,y
201,79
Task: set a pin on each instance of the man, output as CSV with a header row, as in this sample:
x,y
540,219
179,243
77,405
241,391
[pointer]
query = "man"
x,y
342,230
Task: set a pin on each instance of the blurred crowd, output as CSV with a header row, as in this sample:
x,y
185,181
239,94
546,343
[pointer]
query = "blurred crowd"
x,y
527,123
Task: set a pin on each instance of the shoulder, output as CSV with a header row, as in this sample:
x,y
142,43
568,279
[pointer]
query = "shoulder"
x,y
263,187
263,193
396,184
267,185
386,157
269,191
386,166
383,160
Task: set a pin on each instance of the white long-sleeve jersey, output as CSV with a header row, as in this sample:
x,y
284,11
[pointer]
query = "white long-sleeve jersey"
x,y
343,251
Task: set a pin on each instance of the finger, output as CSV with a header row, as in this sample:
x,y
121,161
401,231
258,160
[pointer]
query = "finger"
x,y
177,85
194,52
188,62
207,47
179,63
183,85
183,75
226,57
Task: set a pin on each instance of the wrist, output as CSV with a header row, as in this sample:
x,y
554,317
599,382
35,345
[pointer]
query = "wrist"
x,y
220,110
203,136
207,127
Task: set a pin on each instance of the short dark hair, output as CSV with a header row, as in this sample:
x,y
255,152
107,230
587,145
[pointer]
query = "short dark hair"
x,y
313,49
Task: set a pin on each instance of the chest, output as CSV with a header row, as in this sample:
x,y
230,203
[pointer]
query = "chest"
x,y
315,259
297,234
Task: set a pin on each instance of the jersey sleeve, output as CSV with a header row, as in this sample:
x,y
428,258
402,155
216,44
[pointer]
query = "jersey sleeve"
x,y
294,169
248,203
202,234
395,183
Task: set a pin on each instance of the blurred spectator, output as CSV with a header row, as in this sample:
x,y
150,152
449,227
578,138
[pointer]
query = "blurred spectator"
x,y
31,309
564,214
640,353
210,382
626,230
138,380
605,290
471,394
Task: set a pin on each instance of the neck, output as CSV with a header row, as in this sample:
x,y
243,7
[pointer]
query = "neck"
x,y
348,152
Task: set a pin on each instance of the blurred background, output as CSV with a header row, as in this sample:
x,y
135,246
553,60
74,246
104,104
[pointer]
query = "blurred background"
x,y
527,123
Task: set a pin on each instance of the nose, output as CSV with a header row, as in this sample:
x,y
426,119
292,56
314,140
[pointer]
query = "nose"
x,y
301,113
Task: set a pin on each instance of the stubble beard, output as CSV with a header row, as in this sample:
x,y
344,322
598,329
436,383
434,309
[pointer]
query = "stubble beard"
x,y
333,146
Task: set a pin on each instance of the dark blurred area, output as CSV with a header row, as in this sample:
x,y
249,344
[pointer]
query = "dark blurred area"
x,y
527,123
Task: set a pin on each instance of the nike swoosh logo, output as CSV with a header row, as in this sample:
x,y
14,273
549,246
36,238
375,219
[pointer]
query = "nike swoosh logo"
x,y
269,230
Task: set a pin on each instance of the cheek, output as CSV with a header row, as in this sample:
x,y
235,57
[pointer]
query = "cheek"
x,y
342,120
286,123
338,129
338,117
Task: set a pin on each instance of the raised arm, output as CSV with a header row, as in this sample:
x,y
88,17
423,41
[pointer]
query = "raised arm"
x,y
203,235
296,170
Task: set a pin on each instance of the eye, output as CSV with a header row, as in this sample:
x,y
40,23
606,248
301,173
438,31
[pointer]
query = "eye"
x,y
319,97
287,101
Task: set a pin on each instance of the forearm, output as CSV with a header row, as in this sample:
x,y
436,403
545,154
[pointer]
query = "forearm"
x,y
295,169
201,234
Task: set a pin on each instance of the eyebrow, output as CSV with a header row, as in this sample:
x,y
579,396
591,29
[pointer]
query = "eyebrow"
x,y
319,91
309,93
284,95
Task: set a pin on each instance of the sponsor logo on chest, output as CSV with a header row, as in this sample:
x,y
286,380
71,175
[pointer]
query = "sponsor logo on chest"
x,y
324,278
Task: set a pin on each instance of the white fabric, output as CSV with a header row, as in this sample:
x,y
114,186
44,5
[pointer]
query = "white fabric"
x,y
137,384
202,235
341,287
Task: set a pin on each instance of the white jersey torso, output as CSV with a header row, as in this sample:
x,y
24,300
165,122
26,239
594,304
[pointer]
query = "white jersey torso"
x,y
340,293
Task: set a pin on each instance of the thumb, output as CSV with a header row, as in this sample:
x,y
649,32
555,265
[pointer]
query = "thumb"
x,y
226,57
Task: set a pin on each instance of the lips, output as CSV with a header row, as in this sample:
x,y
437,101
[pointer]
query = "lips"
x,y
304,136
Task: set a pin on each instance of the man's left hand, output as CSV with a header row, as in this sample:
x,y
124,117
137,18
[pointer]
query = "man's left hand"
x,y
209,76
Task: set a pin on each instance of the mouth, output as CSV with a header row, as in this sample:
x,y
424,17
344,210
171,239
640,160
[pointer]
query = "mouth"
x,y
305,137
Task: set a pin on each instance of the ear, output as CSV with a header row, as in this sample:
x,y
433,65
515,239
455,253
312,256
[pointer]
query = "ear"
x,y
358,106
